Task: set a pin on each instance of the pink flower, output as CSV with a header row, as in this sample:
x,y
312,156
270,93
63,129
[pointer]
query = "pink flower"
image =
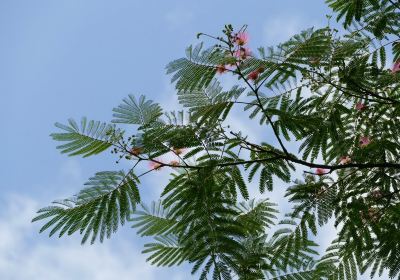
x,y
345,160
136,151
221,69
253,75
321,171
364,141
174,163
396,67
242,53
241,38
360,106
155,165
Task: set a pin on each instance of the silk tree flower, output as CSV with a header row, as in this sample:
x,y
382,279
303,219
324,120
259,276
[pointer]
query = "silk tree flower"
x,y
364,141
253,75
321,171
241,38
396,67
155,165
174,163
136,151
221,69
242,53
344,160
360,106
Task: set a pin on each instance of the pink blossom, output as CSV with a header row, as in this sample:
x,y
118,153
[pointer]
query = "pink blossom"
x,y
396,67
242,53
155,165
345,160
174,163
321,171
136,151
241,38
364,141
221,69
253,75
360,106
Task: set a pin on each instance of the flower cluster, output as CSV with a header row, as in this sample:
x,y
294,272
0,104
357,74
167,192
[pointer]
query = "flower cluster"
x,y
321,171
239,41
360,106
136,151
396,67
364,141
242,53
344,160
241,38
171,159
254,75
221,69
155,165
239,52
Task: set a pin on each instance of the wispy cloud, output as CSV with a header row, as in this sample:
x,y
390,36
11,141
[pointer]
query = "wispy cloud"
x,y
23,255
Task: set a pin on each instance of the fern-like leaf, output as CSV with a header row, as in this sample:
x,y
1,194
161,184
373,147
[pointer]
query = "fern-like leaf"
x,y
90,138
96,210
139,111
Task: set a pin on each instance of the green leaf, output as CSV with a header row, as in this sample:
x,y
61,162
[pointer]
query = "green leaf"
x,y
197,69
90,138
140,111
153,220
96,210
166,251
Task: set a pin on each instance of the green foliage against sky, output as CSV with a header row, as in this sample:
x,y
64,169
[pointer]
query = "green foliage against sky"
x,y
334,92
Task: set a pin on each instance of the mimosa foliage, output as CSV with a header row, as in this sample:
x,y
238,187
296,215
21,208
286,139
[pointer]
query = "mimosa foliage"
x,y
328,106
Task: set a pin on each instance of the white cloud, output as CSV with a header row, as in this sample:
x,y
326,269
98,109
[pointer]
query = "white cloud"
x,y
169,99
24,255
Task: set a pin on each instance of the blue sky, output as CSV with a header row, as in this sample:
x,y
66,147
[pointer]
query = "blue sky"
x,y
73,58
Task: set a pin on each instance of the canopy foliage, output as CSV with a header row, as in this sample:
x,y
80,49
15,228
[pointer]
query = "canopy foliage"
x,y
334,93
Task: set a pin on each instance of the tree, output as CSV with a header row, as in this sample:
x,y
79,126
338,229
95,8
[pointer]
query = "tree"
x,y
328,90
